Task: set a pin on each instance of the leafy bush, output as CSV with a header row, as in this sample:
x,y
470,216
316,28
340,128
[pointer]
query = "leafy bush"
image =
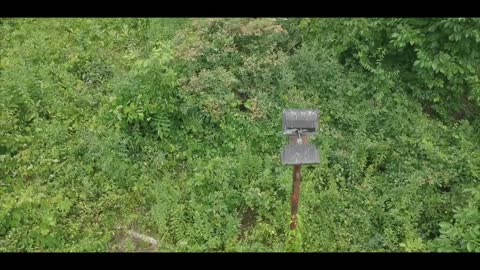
x,y
436,58
463,234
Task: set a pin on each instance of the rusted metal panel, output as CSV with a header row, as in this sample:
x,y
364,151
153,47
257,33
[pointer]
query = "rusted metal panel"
x,y
297,154
305,121
293,139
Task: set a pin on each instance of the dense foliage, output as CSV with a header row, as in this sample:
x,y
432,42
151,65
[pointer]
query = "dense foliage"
x,y
171,128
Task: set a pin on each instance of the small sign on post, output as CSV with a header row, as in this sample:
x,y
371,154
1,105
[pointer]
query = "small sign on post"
x,y
298,124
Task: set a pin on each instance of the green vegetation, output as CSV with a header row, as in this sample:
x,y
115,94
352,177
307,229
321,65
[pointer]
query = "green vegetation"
x,y
172,128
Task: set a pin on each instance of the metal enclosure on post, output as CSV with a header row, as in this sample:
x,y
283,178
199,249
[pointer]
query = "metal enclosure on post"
x,y
297,125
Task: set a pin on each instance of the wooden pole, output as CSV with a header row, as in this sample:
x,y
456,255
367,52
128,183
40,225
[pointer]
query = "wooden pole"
x,y
297,177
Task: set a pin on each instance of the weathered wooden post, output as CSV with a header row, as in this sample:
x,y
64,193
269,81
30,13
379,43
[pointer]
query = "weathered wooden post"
x,y
297,124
